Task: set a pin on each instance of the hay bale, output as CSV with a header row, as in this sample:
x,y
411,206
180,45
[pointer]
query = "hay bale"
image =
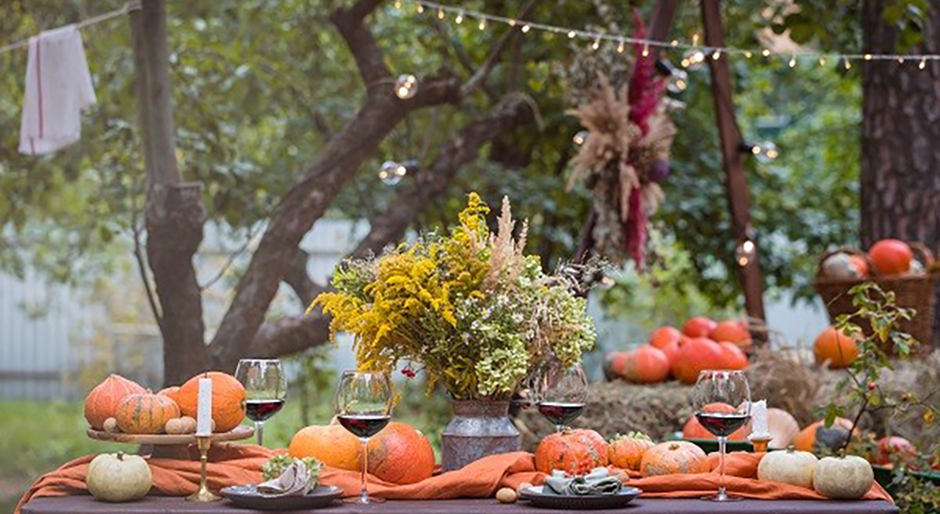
x,y
786,378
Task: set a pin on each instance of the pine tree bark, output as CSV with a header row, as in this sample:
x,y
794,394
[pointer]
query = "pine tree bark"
x,y
900,168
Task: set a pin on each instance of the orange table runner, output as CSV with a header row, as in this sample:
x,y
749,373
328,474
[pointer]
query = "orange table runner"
x,y
235,464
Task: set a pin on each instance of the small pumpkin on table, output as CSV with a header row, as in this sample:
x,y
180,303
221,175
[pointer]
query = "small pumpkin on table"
x,y
118,477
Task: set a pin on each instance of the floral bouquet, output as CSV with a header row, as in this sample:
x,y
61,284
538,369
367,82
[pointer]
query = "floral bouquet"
x,y
471,307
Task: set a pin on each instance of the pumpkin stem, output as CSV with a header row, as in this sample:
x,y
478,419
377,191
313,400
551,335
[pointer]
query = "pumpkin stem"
x,y
120,456
791,449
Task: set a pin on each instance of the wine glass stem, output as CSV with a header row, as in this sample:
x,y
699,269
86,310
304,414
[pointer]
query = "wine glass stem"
x,y
259,431
722,494
364,493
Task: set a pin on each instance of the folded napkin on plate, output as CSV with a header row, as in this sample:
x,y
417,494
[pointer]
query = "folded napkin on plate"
x,y
598,481
294,481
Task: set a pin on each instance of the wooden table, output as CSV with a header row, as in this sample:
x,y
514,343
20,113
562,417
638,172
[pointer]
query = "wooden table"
x,y
161,505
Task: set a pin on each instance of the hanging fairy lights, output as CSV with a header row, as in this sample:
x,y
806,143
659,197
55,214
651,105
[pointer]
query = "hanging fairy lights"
x,y
694,53
765,152
744,253
406,86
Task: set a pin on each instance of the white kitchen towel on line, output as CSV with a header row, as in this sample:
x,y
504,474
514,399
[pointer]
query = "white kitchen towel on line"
x,y
58,86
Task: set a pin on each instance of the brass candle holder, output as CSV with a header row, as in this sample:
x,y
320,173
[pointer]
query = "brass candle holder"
x,y
760,443
203,495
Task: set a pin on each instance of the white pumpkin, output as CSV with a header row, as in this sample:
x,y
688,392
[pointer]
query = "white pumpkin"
x,y
843,478
118,477
789,467
840,266
783,428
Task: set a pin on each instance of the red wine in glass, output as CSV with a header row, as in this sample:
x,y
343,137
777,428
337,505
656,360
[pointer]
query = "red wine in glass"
x,y
261,410
559,413
363,425
721,424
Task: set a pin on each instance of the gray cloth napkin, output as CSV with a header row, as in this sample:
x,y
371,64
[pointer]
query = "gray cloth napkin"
x,y
598,481
294,481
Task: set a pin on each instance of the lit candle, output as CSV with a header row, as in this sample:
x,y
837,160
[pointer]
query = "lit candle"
x,y
759,419
204,411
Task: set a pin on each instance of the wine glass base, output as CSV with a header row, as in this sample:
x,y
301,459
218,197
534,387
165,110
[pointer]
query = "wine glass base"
x,y
717,498
360,500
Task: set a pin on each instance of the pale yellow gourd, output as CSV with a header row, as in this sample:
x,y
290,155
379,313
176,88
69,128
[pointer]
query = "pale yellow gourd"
x,y
788,467
843,478
118,477
178,426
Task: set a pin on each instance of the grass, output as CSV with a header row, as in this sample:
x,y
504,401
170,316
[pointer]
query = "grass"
x,y
39,437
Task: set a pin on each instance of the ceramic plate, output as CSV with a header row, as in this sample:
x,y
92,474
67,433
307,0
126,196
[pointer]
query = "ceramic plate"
x,y
597,501
248,497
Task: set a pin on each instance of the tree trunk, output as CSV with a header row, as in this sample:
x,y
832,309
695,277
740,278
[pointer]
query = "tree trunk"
x,y
900,169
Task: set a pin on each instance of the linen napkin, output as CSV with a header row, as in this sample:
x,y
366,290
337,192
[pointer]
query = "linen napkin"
x,y
598,481
294,481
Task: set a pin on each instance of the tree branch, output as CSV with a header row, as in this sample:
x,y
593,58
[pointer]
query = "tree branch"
x,y
299,280
361,42
293,334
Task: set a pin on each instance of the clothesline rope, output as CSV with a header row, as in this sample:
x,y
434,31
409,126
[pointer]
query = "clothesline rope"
x,y
597,37
132,5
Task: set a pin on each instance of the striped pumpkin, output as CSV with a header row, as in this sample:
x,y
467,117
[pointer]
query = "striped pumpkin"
x,y
102,402
146,413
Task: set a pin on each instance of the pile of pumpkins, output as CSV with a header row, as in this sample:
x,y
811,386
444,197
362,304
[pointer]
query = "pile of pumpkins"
x,y
887,256
701,344
399,454
119,405
577,451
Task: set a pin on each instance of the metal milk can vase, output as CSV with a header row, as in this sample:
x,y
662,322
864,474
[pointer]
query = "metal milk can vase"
x,y
478,428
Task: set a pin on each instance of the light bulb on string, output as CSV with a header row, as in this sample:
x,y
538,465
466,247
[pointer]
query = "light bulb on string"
x,y
620,47
572,34
677,82
792,62
765,52
867,57
596,44
397,4
923,64
512,23
900,60
693,59
848,64
526,28
459,19
716,55
745,252
581,137
822,61
748,54
419,8
391,173
482,25
768,152
406,86
646,49
674,43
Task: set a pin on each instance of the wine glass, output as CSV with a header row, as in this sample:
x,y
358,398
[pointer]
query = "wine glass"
x,y
562,395
265,390
364,407
722,403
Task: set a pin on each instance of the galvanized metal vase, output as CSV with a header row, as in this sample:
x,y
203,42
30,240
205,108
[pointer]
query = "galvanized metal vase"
x,y
479,428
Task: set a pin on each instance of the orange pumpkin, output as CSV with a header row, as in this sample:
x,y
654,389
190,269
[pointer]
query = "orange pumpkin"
x,y
664,336
103,401
894,445
817,433
694,356
732,332
734,358
228,399
891,256
860,265
400,454
618,363
646,365
694,430
145,413
671,350
699,327
626,452
331,444
835,347
169,392
576,451
674,457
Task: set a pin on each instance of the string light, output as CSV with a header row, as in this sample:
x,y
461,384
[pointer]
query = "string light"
x,y
620,47
764,152
692,59
461,13
744,253
526,28
406,86
580,138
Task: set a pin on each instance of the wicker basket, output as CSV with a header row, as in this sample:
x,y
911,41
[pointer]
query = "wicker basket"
x,y
910,291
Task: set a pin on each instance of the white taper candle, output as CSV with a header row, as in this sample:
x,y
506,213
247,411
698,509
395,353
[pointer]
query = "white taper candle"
x,y
204,411
759,419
